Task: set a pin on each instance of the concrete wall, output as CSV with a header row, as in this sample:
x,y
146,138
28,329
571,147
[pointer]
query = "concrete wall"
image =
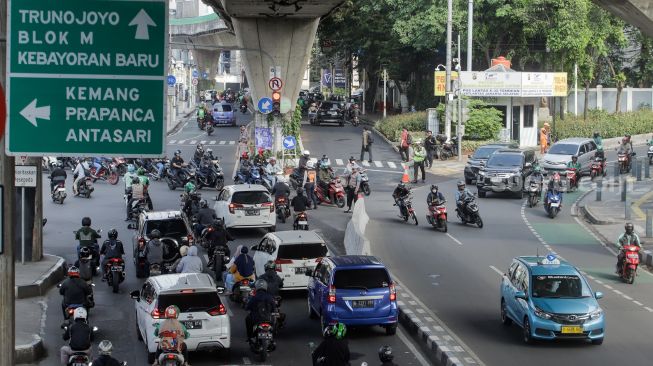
x,y
632,99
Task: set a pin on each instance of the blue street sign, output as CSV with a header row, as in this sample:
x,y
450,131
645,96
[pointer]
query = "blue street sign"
x,y
172,80
265,105
196,73
205,75
289,142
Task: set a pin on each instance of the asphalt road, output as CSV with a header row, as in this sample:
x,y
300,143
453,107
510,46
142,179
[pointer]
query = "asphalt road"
x,y
114,313
457,275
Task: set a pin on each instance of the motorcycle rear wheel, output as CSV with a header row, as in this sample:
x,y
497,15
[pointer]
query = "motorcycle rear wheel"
x,y
340,202
479,222
553,212
443,226
366,189
263,353
630,276
412,216
593,175
115,282
113,178
532,201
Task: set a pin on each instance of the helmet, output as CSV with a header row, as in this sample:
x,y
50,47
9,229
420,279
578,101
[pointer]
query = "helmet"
x,y
300,191
73,271
59,164
434,188
574,158
310,164
460,185
244,250
80,313
537,169
260,285
270,265
401,185
208,152
352,159
105,347
155,234
86,221
140,171
177,152
131,168
113,234
203,203
171,312
596,134
245,155
306,153
629,228
385,354
84,252
260,151
337,330
189,187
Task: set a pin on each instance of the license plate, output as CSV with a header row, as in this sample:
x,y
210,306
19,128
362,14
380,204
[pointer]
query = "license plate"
x,y
303,222
192,324
116,269
252,212
80,364
496,180
555,204
362,304
300,270
333,113
632,255
571,330
245,289
264,335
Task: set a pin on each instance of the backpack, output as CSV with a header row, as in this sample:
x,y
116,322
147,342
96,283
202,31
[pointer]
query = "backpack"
x,y
370,138
409,139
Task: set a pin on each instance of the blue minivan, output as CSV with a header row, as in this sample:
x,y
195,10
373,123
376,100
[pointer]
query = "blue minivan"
x,y
355,290
223,114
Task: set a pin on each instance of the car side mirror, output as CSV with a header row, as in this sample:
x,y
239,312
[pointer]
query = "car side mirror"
x,y
520,295
309,273
598,295
220,289
131,226
135,295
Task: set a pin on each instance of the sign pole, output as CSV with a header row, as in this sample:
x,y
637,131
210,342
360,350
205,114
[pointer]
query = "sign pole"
x,y
447,105
22,225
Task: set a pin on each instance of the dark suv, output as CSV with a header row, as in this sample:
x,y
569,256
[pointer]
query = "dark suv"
x,y
175,232
506,171
479,158
331,112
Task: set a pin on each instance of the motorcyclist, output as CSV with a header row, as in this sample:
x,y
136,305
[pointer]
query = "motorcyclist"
x,y
187,198
97,164
553,186
127,178
104,349
57,176
574,164
299,203
259,159
219,238
153,251
281,188
461,194
172,334
205,217
111,248
146,186
191,263
199,152
201,112
537,177
598,141
243,266
176,164
324,173
435,197
79,336
79,174
386,356
245,165
136,193
303,160
87,237
272,170
74,290
629,237
260,307
310,176
334,349
400,193
275,283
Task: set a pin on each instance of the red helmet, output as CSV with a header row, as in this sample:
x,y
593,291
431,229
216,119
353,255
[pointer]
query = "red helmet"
x,y
73,272
260,151
245,155
171,312
556,177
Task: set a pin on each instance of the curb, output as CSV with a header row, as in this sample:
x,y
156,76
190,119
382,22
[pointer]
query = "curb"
x,y
440,354
29,352
178,126
43,284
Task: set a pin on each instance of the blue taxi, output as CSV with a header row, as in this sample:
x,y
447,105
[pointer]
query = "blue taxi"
x,y
550,299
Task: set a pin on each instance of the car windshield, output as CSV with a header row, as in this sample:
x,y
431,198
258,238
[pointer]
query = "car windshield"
x,y
560,286
484,152
563,149
505,160
220,107
302,251
361,278
169,227
190,302
251,197
329,106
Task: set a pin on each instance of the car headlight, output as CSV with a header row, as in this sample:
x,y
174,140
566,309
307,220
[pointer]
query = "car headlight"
x,y
480,172
596,314
542,314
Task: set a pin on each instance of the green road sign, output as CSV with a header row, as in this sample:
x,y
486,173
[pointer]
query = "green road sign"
x,y
87,77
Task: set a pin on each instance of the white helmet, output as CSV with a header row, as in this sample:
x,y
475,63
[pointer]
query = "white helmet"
x,y
105,347
282,179
310,164
306,153
80,313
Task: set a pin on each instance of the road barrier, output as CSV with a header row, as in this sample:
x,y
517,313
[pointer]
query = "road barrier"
x,y
355,240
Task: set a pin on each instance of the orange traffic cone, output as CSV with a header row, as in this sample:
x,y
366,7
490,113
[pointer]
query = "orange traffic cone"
x,y
405,178
360,196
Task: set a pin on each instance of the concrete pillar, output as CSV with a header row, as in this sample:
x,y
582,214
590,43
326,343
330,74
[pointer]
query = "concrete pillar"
x,y
284,45
629,99
599,97
207,61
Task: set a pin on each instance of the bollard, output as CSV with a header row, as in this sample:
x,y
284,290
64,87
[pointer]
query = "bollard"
x,y
624,187
615,171
649,223
647,168
633,167
638,166
599,189
627,209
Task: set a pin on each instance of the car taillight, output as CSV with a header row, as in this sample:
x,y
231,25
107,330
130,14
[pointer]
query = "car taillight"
x,y
156,314
332,295
279,262
171,356
245,282
71,311
234,206
393,292
270,205
218,310
141,241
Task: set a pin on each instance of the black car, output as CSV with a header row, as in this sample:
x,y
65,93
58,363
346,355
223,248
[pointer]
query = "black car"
x,y
175,232
506,171
480,156
331,112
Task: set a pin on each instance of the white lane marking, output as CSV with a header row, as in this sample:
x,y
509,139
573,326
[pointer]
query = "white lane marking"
x,y
378,164
608,287
223,142
392,165
203,142
649,309
246,361
411,347
340,162
232,142
193,142
454,239
638,303
365,163
495,269
212,142
627,297
181,141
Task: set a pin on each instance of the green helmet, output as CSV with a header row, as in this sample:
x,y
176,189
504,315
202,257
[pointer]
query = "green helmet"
x,y
537,169
337,330
140,171
599,147
189,187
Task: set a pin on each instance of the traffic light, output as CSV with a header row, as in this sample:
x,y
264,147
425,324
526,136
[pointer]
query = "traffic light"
x,y
276,103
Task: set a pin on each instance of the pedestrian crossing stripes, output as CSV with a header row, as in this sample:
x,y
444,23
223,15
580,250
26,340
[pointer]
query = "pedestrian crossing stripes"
x,y
365,163
205,142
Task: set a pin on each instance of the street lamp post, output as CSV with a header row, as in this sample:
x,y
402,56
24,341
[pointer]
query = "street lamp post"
x,y
448,95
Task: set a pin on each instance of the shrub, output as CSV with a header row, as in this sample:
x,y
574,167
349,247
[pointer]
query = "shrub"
x,y
484,122
609,125
391,126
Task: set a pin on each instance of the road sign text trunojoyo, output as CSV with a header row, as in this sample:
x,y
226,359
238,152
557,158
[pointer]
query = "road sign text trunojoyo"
x,y
86,77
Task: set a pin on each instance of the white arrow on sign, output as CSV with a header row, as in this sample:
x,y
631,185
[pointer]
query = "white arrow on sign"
x,y
142,20
266,105
32,112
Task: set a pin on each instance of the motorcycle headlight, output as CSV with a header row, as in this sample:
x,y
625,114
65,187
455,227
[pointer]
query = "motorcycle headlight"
x,y
542,314
596,314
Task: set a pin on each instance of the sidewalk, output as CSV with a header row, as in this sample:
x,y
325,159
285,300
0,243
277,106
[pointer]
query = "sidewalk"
x,y
183,113
33,280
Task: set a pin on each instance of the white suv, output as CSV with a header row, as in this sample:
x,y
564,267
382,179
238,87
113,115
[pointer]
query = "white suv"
x,y
246,206
294,252
200,310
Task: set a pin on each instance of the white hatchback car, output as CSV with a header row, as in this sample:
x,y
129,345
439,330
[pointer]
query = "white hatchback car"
x,y
246,206
294,252
200,310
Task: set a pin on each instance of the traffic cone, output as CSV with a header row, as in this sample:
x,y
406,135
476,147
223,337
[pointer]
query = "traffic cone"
x,y
360,196
405,178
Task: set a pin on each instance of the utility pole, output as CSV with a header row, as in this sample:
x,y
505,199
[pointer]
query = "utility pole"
x,y
576,89
364,91
448,94
385,92
7,276
459,128
470,33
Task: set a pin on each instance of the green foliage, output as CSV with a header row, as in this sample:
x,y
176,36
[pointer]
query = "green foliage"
x,y
484,122
291,127
391,126
609,125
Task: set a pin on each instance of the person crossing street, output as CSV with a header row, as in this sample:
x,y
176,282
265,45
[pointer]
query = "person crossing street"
x,y
368,140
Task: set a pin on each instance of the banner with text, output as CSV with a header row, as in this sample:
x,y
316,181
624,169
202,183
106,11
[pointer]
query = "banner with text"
x,y
513,84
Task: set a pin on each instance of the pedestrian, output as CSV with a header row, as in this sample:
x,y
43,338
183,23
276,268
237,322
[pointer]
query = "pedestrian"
x,y
368,140
429,145
544,138
419,155
353,184
310,176
406,140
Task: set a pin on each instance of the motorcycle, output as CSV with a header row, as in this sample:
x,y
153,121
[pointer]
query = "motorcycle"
x,y
279,318
115,270
210,176
406,209
572,179
120,165
137,208
624,162
597,168
534,192
282,208
553,202
295,179
301,222
106,173
171,359
365,182
85,187
469,213
312,117
437,217
209,129
201,123
335,195
218,262
79,359
252,177
263,341
190,208
630,263
185,175
59,193
241,291
355,121
243,108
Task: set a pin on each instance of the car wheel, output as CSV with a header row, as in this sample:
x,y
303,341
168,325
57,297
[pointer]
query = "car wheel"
x,y
505,319
391,329
468,181
597,342
311,313
482,194
272,229
526,331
